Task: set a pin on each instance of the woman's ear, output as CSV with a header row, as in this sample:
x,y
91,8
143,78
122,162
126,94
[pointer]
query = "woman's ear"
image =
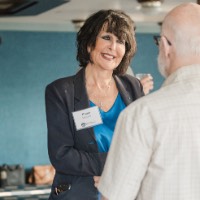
x,y
89,49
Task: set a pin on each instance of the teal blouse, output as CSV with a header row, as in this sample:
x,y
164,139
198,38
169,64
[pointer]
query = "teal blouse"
x,y
104,131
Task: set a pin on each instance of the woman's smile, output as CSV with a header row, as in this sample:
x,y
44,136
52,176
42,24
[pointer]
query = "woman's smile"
x,y
108,56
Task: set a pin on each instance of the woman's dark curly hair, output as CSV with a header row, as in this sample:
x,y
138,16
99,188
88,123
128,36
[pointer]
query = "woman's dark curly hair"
x,y
115,22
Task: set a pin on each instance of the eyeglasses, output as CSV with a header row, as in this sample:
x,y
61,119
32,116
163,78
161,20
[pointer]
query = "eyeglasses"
x,y
158,37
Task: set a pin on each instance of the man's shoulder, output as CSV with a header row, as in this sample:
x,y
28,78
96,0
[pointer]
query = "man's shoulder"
x,y
148,102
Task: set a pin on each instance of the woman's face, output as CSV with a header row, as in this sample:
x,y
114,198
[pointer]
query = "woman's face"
x,y
108,52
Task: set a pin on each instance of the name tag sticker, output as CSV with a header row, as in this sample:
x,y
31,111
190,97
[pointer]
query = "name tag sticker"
x,y
87,118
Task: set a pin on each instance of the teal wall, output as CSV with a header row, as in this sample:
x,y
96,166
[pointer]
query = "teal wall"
x,y
28,62
145,60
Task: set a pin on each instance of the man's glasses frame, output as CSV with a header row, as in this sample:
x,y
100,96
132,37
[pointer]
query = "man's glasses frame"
x,y
157,39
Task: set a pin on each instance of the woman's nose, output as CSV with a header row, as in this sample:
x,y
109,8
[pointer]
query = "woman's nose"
x,y
112,45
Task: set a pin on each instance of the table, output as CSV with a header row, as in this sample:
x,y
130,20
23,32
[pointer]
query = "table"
x,y
27,192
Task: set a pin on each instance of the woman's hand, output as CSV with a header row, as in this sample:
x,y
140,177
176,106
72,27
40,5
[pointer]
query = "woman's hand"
x,y
147,83
96,182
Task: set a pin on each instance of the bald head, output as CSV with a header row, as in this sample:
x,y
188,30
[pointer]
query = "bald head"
x,y
181,27
185,10
184,16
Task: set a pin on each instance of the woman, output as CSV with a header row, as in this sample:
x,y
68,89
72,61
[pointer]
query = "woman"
x,y
78,141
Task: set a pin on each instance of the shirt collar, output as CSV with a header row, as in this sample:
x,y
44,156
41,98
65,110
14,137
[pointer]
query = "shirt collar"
x,y
183,73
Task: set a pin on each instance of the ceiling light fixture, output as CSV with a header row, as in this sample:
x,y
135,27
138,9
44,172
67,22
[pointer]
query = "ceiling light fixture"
x,y
150,3
78,23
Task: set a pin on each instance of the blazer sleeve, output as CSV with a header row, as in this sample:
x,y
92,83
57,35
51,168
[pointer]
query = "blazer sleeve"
x,y
63,154
134,86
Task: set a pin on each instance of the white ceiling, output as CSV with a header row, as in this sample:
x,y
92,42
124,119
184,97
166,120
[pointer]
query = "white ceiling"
x,y
59,18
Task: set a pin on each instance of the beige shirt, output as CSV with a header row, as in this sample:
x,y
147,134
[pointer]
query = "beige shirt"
x,y
155,152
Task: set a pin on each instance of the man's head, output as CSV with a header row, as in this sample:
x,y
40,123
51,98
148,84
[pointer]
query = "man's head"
x,y
180,38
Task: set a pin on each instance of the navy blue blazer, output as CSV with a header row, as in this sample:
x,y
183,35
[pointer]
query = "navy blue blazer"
x,y
74,154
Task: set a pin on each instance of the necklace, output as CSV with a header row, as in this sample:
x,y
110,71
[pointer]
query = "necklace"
x,y
96,95
101,101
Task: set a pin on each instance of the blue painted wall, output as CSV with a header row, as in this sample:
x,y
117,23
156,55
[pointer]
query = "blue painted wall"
x,y
28,62
145,60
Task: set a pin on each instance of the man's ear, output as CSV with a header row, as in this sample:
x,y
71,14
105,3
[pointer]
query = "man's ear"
x,y
166,47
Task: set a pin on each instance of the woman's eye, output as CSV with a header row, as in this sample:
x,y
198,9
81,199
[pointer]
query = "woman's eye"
x,y
106,37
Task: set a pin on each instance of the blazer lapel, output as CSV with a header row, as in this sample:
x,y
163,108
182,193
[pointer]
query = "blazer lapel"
x,y
123,90
80,93
81,100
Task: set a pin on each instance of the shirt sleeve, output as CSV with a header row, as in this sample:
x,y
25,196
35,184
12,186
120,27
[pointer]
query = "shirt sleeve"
x,y
129,155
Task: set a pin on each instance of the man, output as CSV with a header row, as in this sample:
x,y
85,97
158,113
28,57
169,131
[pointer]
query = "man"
x,y
155,153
